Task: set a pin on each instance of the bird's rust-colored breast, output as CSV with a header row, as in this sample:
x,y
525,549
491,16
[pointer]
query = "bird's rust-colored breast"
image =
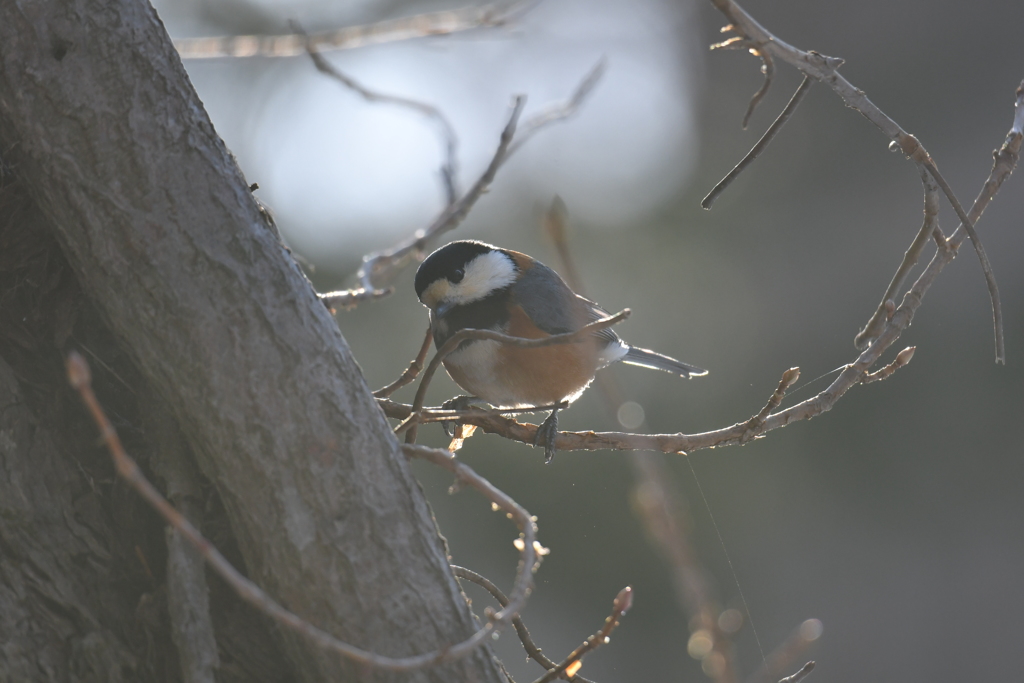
x,y
545,375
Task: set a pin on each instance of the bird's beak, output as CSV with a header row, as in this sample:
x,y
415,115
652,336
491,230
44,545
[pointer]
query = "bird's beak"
x,y
442,309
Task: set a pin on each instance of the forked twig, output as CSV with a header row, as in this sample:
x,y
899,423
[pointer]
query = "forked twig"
x,y
530,550
379,269
350,298
761,144
825,69
524,634
929,230
767,68
560,111
902,358
756,423
1004,161
571,664
80,378
449,168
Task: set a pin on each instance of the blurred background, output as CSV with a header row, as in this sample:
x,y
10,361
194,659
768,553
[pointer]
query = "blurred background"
x,y
897,519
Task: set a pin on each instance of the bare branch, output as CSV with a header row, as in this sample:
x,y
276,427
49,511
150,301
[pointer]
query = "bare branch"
x,y
560,111
825,69
902,358
799,675
1005,160
470,334
530,550
524,634
380,269
411,372
761,144
350,298
571,664
768,69
449,168
756,423
390,30
80,378
929,229
791,649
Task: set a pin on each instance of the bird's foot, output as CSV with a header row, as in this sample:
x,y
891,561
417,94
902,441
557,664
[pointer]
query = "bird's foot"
x,y
457,403
547,432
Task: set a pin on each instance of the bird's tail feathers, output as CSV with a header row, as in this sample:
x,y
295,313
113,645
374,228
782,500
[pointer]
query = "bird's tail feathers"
x,y
656,361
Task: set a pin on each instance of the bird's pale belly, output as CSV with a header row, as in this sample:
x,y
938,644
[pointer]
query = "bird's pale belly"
x,y
508,376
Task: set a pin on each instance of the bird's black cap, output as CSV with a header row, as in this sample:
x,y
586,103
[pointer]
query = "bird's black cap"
x,y
445,261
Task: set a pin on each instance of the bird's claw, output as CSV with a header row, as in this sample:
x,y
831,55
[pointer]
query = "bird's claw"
x,y
457,403
547,432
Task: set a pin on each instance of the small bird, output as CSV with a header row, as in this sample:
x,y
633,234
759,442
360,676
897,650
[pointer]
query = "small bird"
x,y
469,284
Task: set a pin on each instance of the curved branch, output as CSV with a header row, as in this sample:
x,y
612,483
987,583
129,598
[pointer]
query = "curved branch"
x,y
378,270
760,146
1005,160
80,378
825,69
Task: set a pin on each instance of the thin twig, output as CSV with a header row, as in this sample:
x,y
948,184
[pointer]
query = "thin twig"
x,y
80,378
825,69
1005,160
929,229
411,372
529,549
761,144
390,30
525,638
799,675
449,167
902,358
570,665
986,266
431,415
767,67
477,335
756,423
380,269
560,111
350,298
792,649
383,266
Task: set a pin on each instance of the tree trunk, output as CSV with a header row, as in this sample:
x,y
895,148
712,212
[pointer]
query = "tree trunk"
x,y
100,125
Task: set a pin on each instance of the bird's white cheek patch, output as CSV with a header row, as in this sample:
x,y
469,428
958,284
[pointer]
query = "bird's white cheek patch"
x,y
485,275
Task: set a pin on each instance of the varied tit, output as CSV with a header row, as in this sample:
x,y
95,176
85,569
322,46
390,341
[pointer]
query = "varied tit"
x,y
470,284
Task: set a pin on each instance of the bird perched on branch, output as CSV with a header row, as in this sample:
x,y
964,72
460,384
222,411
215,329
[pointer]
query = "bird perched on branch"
x,y
469,284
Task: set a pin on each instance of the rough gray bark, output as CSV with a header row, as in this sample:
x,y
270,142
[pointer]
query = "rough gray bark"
x,y
57,574
99,121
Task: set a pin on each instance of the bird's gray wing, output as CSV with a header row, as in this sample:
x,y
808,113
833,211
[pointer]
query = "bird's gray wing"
x,y
554,307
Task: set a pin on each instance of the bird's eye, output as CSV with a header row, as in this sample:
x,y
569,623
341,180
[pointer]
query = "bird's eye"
x,y
457,276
